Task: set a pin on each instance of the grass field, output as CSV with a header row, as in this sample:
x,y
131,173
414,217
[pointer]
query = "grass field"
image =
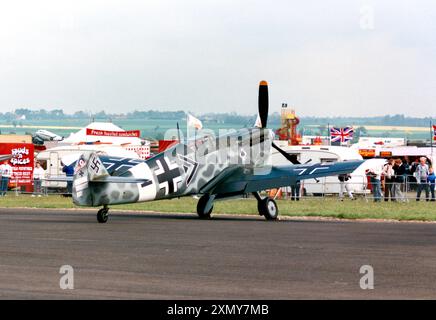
x,y
148,128
328,207
152,127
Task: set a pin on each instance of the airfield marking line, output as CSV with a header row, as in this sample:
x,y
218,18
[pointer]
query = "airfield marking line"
x,y
237,215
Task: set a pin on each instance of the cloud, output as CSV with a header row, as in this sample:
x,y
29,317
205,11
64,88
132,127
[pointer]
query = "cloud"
x,y
208,56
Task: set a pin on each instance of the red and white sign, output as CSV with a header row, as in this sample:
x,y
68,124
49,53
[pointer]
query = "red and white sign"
x,y
105,133
142,151
21,162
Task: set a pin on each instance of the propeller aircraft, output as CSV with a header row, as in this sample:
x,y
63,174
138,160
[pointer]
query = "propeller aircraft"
x,y
213,168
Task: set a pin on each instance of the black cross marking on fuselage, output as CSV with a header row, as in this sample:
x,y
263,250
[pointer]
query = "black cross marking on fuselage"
x,y
168,175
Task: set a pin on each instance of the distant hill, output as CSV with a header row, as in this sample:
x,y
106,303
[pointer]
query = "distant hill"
x,y
225,118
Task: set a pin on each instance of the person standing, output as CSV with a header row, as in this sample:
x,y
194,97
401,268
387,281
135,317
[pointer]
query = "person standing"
x,y
1,178
69,172
6,174
421,174
38,175
431,179
344,181
407,174
412,183
375,175
388,174
399,178
295,191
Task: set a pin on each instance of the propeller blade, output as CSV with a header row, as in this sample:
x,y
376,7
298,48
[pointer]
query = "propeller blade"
x,y
290,157
263,102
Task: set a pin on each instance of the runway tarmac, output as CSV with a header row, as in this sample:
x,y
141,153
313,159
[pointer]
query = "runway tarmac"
x,y
169,256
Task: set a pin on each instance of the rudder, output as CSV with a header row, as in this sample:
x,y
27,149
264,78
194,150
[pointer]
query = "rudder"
x,y
88,168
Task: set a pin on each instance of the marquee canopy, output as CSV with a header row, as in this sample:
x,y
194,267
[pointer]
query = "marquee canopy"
x,y
104,132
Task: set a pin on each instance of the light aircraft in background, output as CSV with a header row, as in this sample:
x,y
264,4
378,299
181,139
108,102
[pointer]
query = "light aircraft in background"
x,y
44,135
213,168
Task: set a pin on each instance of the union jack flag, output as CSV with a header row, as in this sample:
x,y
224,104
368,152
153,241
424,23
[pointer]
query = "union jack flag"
x,y
434,133
341,134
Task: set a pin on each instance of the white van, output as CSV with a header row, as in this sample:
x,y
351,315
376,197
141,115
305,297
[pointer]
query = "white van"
x,y
51,159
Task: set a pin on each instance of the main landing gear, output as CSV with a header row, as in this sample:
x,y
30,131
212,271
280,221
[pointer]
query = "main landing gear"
x,y
267,207
103,214
205,206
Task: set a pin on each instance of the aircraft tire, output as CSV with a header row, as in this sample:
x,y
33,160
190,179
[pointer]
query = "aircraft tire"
x,y
102,215
268,208
201,207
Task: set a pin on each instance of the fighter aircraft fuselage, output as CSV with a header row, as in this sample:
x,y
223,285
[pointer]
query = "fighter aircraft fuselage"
x,y
182,170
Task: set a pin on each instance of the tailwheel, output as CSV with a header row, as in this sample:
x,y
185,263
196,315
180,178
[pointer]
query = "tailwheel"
x,y
103,214
268,208
205,206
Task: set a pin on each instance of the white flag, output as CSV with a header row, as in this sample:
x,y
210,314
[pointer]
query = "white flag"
x,y
258,123
194,122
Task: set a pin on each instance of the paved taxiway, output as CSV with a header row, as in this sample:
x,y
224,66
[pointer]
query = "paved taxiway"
x,y
180,256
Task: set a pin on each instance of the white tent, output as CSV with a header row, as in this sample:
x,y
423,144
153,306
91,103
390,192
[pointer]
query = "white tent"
x,y
106,128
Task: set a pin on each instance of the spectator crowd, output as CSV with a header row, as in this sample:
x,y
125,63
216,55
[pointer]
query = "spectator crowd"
x,y
398,177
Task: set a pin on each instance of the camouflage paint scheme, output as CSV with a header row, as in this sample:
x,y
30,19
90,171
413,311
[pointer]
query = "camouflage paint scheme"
x,y
226,166
179,171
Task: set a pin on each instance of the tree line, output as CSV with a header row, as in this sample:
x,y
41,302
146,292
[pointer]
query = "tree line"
x,y
24,114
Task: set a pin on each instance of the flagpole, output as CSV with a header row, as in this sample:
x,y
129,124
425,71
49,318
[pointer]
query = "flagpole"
x,y
187,129
195,143
178,131
328,134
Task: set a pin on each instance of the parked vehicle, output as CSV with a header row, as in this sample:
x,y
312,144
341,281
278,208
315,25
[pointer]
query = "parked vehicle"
x,y
52,160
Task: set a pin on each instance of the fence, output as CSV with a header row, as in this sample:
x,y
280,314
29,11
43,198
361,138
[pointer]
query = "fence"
x,y
35,188
403,188
314,189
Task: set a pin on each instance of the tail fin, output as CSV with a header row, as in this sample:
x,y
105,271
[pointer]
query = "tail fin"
x,y
88,168
94,186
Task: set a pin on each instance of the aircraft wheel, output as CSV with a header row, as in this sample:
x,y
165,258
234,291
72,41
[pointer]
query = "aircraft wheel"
x,y
102,215
204,207
268,208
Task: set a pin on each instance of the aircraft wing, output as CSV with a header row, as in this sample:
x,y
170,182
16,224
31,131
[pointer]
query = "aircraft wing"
x,y
239,180
4,157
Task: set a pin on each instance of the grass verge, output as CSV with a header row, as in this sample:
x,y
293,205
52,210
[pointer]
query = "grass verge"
x,y
317,207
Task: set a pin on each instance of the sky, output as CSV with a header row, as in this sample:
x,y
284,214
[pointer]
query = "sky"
x,y
324,58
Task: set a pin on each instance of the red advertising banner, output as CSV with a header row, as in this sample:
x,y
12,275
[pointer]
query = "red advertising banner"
x,y
21,162
165,144
104,133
